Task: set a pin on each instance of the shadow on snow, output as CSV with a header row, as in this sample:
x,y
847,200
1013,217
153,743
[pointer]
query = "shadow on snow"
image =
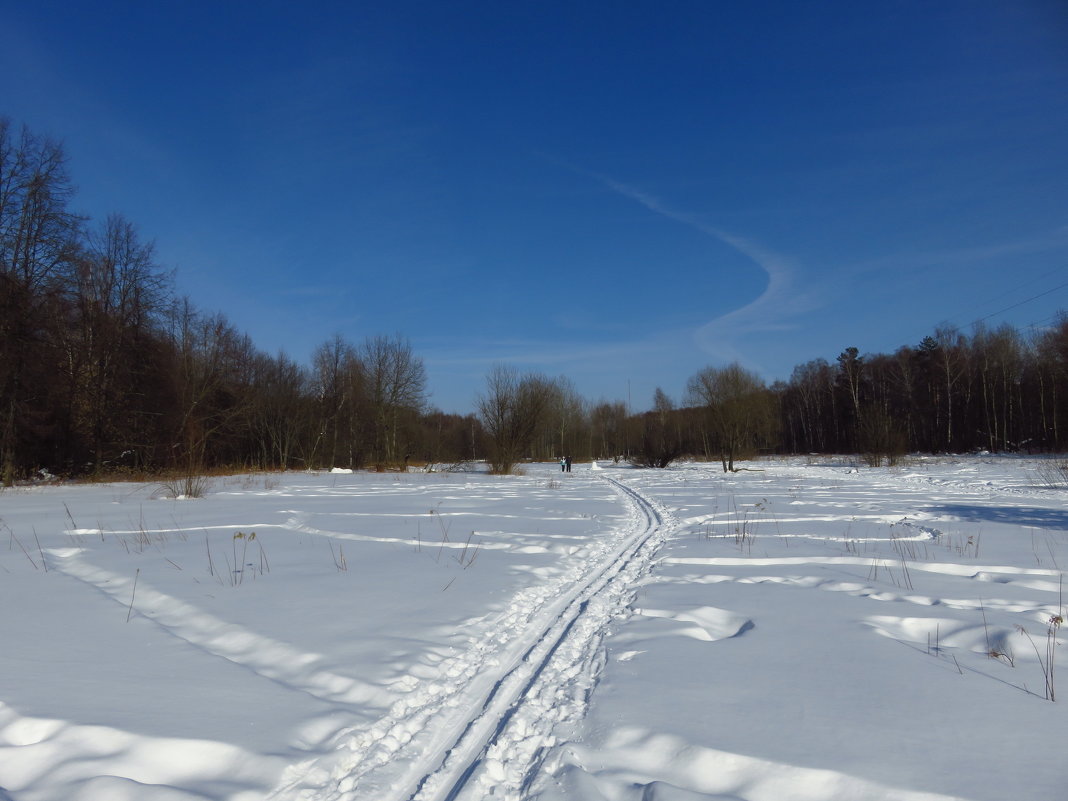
x,y
1010,515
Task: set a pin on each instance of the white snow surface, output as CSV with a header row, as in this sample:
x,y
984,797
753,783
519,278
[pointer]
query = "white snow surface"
x,y
801,630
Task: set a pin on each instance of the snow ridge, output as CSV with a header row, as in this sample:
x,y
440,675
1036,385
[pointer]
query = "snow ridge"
x,y
264,656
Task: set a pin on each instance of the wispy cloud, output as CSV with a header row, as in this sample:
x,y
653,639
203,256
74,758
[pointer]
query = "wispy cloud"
x,y
1043,242
770,311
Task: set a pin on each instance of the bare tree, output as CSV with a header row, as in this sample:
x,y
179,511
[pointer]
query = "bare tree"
x,y
120,295
813,404
339,381
37,240
511,410
850,382
1051,349
608,423
281,409
564,423
953,362
739,409
213,379
999,361
657,433
396,390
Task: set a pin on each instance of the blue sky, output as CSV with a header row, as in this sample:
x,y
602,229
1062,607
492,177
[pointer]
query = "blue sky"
x,y
620,193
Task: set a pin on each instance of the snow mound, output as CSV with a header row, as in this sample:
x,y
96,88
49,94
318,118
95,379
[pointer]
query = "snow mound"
x,y
705,623
40,755
668,767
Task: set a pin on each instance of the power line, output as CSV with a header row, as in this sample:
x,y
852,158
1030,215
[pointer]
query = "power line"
x,y
1038,279
1032,324
1021,303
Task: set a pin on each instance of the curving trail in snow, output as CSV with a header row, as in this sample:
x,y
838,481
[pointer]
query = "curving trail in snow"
x,y
482,723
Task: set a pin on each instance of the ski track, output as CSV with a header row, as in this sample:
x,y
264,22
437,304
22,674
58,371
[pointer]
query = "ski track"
x,y
483,723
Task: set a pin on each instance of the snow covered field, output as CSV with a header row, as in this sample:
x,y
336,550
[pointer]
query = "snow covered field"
x,y
802,631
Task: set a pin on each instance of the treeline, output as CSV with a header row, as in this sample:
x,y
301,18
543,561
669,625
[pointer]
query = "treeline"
x,y
104,369
994,390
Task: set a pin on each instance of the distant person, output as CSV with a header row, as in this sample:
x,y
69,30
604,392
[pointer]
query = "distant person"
x,y
567,463
563,463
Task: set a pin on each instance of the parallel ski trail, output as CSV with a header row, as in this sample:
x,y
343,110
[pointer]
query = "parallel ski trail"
x,y
485,727
501,751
